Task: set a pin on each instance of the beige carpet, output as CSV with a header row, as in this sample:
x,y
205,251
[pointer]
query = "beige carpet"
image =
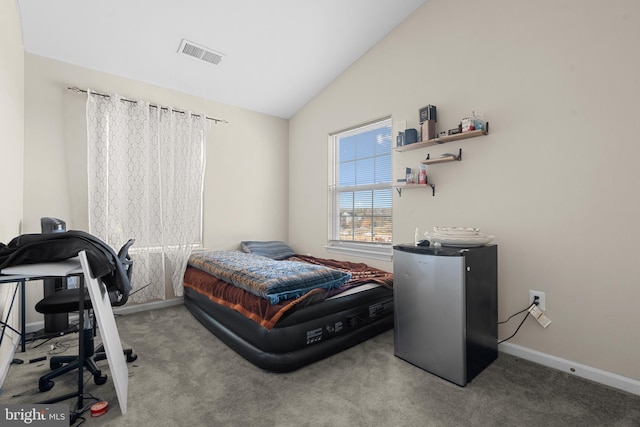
x,y
184,376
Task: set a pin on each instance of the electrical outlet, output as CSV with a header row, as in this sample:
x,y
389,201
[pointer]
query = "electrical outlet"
x,y
541,299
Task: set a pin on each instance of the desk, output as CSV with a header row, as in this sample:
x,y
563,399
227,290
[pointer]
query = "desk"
x,y
19,275
78,266
19,280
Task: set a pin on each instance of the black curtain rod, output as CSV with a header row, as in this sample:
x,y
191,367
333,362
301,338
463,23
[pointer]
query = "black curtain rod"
x,y
77,89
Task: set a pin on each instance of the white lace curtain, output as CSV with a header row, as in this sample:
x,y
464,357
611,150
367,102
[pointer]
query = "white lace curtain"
x,y
146,170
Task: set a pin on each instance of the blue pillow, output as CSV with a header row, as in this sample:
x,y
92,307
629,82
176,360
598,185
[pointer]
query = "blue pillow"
x,y
272,249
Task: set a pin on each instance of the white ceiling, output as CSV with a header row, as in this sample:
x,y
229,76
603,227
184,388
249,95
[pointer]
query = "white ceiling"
x,y
278,53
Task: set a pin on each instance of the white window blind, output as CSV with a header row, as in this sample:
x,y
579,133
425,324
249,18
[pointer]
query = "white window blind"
x,y
360,189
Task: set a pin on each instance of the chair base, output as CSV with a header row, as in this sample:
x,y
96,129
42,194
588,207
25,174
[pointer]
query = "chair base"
x,y
64,364
60,365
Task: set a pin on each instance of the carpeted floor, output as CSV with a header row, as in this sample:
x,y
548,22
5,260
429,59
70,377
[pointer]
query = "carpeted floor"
x,y
184,376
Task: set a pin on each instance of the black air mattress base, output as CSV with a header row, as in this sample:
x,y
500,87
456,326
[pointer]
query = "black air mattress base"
x,y
302,336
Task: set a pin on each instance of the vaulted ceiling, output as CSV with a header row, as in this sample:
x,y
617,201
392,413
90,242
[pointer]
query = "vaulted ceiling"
x,y
276,54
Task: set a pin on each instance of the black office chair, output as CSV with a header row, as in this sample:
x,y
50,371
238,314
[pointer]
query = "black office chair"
x,y
67,301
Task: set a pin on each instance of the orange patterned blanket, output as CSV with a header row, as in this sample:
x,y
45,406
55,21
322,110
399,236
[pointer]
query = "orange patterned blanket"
x,y
261,310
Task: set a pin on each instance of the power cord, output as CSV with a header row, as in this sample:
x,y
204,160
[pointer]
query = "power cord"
x,y
514,315
78,413
535,302
139,289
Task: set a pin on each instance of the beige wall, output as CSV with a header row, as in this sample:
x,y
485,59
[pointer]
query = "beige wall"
x,y
556,181
11,151
247,161
11,119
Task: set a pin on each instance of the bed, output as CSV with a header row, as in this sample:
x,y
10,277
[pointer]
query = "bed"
x,y
283,326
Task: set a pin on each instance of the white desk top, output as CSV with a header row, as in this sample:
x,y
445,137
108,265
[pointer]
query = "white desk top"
x,y
44,269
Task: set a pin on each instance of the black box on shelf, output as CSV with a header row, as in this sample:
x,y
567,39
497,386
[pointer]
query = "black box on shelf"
x,y
428,113
410,136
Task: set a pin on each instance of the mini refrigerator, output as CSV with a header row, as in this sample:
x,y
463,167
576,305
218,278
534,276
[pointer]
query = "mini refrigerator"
x,y
446,309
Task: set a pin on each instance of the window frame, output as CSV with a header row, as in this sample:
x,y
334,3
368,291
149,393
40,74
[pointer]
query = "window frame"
x,y
375,250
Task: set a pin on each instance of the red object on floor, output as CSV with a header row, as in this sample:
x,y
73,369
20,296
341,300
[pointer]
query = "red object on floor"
x,y
99,408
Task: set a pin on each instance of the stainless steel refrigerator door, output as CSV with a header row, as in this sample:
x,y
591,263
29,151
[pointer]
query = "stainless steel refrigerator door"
x,y
429,313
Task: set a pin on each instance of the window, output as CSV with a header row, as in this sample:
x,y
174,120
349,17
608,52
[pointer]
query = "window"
x,y
360,190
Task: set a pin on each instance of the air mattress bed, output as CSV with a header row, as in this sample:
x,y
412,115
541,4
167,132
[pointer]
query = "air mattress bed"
x,y
293,332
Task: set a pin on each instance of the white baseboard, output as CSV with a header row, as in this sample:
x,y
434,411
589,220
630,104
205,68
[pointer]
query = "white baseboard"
x,y
610,379
125,309
136,308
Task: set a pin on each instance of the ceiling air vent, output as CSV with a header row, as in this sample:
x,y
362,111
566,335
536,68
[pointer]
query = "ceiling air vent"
x,y
199,52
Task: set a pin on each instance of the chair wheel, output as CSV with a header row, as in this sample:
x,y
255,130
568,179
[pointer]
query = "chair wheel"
x,y
55,365
131,357
45,385
99,380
